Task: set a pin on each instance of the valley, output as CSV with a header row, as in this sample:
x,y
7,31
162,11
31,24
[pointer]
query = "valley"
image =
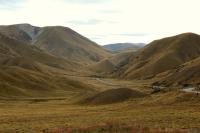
x,y
53,79
171,111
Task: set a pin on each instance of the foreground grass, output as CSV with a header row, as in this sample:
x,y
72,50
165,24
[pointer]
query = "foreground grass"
x,y
174,110
114,127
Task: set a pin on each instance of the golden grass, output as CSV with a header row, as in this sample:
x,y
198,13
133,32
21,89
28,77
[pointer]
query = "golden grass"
x,y
162,55
174,110
117,127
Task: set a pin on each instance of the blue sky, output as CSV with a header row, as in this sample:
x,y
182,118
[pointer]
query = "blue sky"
x,y
108,21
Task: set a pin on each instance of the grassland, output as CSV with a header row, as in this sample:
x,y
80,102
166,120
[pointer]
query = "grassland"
x,y
173,110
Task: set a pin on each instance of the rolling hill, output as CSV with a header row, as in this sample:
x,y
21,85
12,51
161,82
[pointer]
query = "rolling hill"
x,y
113,96
105,67
161,55
112,64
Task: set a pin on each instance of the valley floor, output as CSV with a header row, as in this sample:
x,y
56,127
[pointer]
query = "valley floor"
x,y
174,109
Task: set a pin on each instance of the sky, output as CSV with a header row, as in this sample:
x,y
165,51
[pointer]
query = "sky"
x,y
108,21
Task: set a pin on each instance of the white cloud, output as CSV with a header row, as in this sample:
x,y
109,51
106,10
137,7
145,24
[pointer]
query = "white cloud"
x,y
108,21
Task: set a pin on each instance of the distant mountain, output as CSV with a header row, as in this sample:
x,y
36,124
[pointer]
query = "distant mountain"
x,y
123,46
161,55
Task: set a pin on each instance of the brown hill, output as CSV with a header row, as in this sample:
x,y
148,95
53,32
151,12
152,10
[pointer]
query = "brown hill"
x,y
57,40
13,51
27,71
31,63
113,96
162,55
66,43
113,63
122,58
187,73
104,67
16,82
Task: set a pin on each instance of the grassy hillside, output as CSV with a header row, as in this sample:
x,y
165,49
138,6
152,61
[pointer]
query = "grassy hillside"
x,y
13,50
66,43
104,67
187,73
112,64
20,83
27,71
58,41
37,61
162,55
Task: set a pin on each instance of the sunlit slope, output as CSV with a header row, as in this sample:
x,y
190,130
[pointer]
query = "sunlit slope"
x,y
162,55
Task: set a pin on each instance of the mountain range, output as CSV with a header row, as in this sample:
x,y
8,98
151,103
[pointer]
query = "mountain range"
x,y
48,61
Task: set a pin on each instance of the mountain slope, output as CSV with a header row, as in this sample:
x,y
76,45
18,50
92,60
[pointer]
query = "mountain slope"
x,y
66,43
27,71
162,55
187,73
11,49
112,64
41,61
58,41
104,66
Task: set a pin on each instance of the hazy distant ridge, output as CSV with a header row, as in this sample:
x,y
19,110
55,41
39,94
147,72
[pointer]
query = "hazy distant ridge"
x,y
123,46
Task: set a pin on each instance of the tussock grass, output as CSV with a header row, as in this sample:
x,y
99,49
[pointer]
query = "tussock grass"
x,y
170,110
117,127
